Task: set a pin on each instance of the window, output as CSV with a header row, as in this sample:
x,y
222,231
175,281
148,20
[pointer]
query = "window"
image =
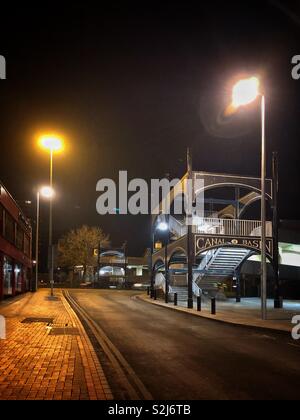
x,y
1,219
27,245
7,276
9,228
18,278
20,238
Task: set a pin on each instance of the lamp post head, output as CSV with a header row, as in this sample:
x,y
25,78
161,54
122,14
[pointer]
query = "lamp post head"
x,y
47,192
162,226
245,91
51,142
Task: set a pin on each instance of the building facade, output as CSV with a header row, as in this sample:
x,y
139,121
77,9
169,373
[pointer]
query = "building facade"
x,y
15,247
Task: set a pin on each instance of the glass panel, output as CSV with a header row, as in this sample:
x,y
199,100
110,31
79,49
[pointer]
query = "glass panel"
x,y
1,219
18,277
20,236
9,228
26,273
7,277
27,245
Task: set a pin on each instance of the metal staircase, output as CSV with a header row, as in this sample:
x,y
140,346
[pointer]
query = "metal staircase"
x,y
221,265
181,288
216,267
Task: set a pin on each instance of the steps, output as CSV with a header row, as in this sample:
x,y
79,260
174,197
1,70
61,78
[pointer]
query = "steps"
x,y
220,267
182,293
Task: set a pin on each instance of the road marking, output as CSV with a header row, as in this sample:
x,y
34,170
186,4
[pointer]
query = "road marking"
x,y
119,363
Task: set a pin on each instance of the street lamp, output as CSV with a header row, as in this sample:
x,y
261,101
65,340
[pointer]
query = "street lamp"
x,y
46,192
162,226
53,144
243,93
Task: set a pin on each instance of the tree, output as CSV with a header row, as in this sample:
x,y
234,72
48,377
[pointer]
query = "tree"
x,y
77,247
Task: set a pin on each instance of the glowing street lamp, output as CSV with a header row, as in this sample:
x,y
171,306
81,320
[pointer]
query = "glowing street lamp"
x,y
53,144
47,192
243,93
162,226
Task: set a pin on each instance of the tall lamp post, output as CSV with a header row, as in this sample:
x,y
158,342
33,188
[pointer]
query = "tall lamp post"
x,y
53,144
45,192
244,92
162,226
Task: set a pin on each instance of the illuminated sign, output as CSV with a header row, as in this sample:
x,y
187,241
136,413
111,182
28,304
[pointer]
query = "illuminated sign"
x,y
205,242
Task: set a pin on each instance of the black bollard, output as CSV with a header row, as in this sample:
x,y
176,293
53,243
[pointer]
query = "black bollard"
x,y
155,294
167,297
175,299
148,291
199,303
213,306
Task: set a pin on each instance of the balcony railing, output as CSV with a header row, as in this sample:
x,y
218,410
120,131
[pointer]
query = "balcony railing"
x,y
230,227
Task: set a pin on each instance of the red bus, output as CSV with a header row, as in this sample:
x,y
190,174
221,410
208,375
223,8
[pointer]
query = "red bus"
x,y
15,247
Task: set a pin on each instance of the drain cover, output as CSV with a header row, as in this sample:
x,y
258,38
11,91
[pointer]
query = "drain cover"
x,y
43,320
64,331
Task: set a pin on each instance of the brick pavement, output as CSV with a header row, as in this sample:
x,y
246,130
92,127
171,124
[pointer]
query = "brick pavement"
x,y
36,365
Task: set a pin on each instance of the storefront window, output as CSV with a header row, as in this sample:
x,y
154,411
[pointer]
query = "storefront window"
x,y
7,277
18,277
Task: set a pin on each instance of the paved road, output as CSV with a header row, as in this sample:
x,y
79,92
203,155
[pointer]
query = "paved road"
x,y
178,356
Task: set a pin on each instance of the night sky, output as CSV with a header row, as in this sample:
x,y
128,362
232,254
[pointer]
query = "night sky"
x,y
132,86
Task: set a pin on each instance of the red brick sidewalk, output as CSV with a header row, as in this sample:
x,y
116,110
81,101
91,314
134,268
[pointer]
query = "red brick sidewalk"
x,y
37,364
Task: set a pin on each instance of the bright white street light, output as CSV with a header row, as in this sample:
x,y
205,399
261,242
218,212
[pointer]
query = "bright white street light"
x,y
245,91
47,192
163,226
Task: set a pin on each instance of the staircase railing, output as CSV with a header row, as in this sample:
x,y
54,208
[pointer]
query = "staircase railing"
x,y
197,291
208,257
176,227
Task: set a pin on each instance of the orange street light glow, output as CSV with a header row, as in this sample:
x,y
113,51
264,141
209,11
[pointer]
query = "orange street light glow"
x,y
51,142
245,91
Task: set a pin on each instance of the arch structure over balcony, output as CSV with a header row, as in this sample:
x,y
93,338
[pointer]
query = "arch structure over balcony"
x,y
214,180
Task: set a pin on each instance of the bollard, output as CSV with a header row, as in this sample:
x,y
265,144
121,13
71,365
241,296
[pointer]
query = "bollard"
x,y
213,306
155,294
175,299
167,297
148,291
199,303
